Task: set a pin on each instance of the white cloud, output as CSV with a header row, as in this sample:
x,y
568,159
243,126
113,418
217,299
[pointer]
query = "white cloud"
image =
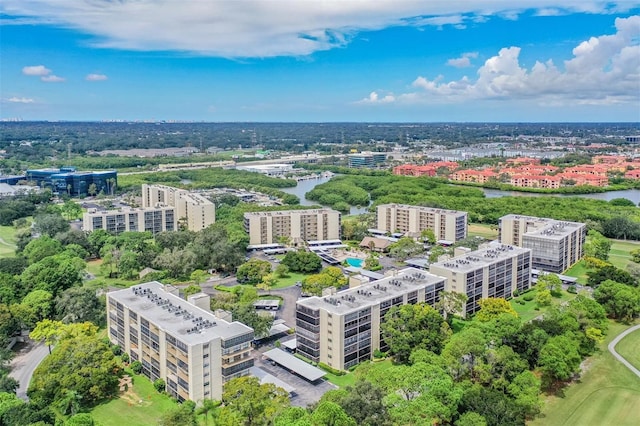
x,y
603,70
260,28
463,61
96,77
51,79
18,100
374,98
37,70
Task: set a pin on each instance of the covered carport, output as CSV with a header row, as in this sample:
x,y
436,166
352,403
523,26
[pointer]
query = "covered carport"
x,y
295,365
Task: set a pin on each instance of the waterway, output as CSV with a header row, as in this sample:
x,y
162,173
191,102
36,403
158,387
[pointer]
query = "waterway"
x,y
305,186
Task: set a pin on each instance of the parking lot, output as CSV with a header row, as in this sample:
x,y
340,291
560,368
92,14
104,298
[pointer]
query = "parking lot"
x,y
306,392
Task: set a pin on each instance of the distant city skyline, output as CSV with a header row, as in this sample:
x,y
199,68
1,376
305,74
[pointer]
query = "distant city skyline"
x,y
320,61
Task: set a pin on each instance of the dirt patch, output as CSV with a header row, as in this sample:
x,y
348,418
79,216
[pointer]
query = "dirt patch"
x,y
133,399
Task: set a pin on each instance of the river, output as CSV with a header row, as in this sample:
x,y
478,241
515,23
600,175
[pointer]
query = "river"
x,y
305,186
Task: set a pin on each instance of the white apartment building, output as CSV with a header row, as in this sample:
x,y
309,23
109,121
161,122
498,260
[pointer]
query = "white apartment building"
x,y
193,350
447,225
193,211
154,220
343,329
497,270
297,225
555,245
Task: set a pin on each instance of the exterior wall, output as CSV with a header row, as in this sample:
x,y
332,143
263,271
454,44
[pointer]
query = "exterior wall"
x,y
297,225
446,224
117,221
195,211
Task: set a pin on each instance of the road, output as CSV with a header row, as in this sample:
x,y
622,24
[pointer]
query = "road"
x,y
612,349
28,357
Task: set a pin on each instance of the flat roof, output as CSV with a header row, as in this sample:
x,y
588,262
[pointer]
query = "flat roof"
x,y
290,344
423,208
294,364
175,315
365,273
372,293
420,262
264,246
319,242
265,377
289,212
494,252
266,303
546,227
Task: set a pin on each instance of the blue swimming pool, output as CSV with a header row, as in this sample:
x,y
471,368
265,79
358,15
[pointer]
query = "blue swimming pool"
x,y
355,262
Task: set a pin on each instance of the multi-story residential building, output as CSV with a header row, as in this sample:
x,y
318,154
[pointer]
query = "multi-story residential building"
x,y
193,211
477,176
447,225
497,270
192,350
296,225
343,329
555,244
366,159
154,220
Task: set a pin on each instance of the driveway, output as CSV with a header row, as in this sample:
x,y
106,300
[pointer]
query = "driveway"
x,y
287,311
612,349
28,356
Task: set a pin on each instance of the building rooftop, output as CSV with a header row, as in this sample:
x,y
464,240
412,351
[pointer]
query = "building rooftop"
x,y
176,316
422,208
288,212
545,227
370,294
494,252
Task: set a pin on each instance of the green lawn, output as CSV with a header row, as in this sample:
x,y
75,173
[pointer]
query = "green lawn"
x,y
7,241
483,230
140,406
528,311
579,271
606,394
629,348
619,254
93,267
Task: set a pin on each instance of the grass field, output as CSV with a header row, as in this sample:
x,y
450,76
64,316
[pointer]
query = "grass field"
x,y
141,405
482,230
629,348
619,255
606,394
7,241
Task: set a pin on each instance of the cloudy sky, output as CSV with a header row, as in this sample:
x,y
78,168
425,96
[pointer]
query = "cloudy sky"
x,y
312,60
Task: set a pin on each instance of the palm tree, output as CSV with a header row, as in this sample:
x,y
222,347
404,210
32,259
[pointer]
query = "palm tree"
x,y
209,406
70,403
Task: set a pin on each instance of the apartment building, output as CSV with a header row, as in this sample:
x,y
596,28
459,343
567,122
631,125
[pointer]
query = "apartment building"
x,y
494,271
154,220
555,244
343,329
297,225
192,350
193,211
447,225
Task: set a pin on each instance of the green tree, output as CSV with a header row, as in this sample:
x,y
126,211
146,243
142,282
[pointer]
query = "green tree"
x,y
635,255
302,261
208,407
71,210
559,358
92,190
621,301
36,306
253,271
364,402
252,402
47,330
597,245
128,265
246,314
471,419
268,281
198,276
184,415
428,235
543,297
609,272
159,385
331,414
464,351
80,363
40,248
411,327
405,248
178,263
331,276
191,290
50,224
69,403
80,419
550,282
80,304
282,271
435,253
493,307
53,273
451,303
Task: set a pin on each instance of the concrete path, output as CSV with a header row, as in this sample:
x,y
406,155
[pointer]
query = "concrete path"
x,y
612,349
27,358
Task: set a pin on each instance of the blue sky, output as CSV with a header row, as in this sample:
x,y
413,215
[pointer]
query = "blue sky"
x,y
332,60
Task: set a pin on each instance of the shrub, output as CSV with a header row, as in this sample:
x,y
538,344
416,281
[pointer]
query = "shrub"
x,y
572,289
516,293
136,367
528,297
116,349
379,354
125,357
331,370
160,385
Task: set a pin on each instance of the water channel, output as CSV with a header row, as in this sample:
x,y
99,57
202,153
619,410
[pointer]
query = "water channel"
x,y
305,186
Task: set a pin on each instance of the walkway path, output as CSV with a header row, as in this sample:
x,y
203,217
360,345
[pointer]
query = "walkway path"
x,y
6,243
612,349
28,357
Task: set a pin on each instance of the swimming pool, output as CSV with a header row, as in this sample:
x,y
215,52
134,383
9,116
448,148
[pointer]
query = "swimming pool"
x,y
355,262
